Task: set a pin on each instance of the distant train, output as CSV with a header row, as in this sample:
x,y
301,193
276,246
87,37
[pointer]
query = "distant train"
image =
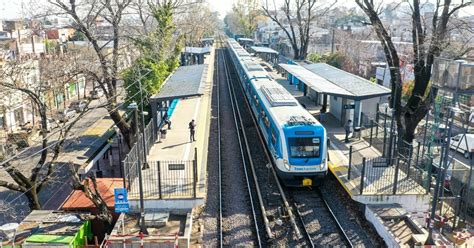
x,y
296,140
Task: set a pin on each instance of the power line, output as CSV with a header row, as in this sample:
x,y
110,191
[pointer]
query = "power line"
x,y
37,183
70,124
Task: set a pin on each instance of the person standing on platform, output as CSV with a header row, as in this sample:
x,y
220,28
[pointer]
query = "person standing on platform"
x,y
192,130
347,128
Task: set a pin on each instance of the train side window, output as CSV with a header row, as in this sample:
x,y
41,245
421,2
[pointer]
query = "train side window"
x,y
274,138
266,121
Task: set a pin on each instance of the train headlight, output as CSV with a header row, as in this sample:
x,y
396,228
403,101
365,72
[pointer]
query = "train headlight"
x,y
286,164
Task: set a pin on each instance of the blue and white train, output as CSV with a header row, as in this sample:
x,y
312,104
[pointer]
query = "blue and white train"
x,y
296,140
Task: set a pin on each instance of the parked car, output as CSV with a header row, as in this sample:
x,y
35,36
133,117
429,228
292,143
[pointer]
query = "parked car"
x,y
463,143
66,114
78,106
96,93
51,124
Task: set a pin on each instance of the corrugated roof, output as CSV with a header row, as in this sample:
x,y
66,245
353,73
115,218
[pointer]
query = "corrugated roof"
x,y
314,81
197,50
359,87
77,200
245,39
258,49
186,81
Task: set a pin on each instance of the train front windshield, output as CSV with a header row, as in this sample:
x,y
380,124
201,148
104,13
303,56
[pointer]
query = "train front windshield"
x,y
304,147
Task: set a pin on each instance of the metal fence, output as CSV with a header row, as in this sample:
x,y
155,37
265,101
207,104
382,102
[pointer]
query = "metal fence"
x,y
380,175
167,179
162,178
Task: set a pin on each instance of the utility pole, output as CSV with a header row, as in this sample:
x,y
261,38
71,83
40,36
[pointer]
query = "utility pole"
x,y
143,230
443,164
332,41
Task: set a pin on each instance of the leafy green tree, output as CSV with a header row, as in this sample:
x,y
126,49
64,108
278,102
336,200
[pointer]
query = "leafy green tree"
x,y
160,55
78,36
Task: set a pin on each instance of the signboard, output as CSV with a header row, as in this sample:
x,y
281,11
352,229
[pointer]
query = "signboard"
x,y
349,106
121,200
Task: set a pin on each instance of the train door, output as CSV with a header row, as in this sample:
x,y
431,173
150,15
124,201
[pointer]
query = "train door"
x,y
273,142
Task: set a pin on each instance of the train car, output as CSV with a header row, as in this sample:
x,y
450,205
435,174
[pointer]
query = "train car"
x,y
295,139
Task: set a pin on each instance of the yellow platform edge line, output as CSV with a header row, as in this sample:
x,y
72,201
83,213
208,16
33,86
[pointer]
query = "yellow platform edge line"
x,y
333,170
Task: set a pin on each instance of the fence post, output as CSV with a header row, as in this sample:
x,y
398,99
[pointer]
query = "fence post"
x,y
417,154
371,131
384,135
350,163
362,175
410,154
395,180
158,163
195,172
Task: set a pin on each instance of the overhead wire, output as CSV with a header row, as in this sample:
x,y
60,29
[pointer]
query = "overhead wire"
x,y
3,162
62,156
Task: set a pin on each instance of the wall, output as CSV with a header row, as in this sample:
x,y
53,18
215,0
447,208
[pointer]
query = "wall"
x,y
335,106
369,109
387,236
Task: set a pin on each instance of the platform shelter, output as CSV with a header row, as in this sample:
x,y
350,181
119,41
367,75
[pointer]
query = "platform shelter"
x,y
194,55
246,42
207,41
350,97
266,53
185,82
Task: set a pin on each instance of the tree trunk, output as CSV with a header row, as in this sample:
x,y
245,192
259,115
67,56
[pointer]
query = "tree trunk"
x,y
124,127
33,200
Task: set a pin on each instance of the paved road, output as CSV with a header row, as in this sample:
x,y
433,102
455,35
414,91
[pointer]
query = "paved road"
x,y
17,210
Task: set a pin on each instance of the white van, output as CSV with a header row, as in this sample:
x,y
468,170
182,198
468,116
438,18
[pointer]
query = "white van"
x,y
466,148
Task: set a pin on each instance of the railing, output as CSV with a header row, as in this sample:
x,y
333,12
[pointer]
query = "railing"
x,y
166,179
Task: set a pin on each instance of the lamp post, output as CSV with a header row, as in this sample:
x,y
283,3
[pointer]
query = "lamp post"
x,y
133,106
443,165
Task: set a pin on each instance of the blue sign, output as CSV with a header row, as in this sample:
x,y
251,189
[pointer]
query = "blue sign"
x,y
121,201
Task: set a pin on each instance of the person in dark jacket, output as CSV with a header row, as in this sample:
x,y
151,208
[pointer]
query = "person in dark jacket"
x,y
347,128
192,130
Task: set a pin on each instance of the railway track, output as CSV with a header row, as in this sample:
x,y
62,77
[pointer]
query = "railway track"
x,y
238,221
281,227
290,217
318,220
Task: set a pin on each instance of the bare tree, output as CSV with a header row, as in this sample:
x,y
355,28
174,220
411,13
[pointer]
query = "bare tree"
x,y
428,42
89,188
86,16
31,182
295,18
197,22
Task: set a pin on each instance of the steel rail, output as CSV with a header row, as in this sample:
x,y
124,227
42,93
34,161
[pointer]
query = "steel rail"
x,y
338,224
219,150
267,155
233,102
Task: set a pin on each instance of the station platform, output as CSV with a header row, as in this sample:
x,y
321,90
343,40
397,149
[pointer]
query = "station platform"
x,y
177,167
400,217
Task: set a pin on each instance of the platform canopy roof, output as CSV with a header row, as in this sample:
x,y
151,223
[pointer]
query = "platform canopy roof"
x,y
197,50
327,79
245,39
358,86
186,81
207,39
258,49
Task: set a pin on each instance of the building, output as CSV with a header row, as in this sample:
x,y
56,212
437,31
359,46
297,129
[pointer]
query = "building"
x,y
46,228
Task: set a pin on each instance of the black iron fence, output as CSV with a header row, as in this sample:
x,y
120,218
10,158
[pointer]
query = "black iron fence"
x,y
166,179
380,175
160,179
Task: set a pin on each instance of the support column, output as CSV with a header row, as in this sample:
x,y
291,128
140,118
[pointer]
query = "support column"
x,y
357,113
154,112
325,102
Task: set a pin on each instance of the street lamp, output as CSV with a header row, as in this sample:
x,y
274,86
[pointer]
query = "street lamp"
x,y
134,107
